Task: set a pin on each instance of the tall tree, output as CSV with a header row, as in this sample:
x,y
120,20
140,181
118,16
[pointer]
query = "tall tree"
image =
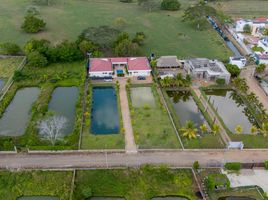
x,y
198,13
189,130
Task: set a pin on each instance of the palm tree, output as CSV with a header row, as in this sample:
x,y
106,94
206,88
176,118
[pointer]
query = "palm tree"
x,y
238,129
253,129
189,130
264,129
203,128
215,129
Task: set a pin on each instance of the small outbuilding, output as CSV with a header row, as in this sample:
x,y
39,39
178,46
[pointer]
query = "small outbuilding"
x,y
168,62
240,61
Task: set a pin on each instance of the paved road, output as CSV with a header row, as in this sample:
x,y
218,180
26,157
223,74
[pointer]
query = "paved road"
x,y
130,145
102,160
254,87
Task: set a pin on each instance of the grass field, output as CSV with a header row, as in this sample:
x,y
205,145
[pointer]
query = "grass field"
x,y
135,184
151,125
243,8
166,33
16,184
8,66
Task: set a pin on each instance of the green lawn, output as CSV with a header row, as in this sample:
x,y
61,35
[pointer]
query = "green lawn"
x,y
8,66
16,184
243,8
90,141
135,184
165,31
47,79
151,125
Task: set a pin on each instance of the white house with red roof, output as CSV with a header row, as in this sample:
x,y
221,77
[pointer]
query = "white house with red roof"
x,y
121,66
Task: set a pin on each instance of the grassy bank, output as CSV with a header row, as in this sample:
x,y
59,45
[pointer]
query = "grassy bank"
x,y
135,184
110,141
165,31
47,79
151,124
16,184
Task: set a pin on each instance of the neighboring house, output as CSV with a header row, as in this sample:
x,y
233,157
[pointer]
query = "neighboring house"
x,y
168,62
238,61
263,43
112,67
257,25
203,68
262,58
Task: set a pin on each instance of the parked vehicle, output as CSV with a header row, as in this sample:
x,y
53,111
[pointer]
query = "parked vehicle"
x,y
141,78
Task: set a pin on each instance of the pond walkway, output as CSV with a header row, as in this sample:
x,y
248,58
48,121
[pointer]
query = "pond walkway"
x,y
224,135
130,145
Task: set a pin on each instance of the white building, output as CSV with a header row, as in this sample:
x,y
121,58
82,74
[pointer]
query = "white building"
x,y
263,43
238,61
112,67
257,25
203,68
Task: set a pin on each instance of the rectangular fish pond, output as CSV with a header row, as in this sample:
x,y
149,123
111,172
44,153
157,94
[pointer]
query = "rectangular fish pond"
x,y
63,103
231,109
142,96
186,108
15,118
104,112
38,198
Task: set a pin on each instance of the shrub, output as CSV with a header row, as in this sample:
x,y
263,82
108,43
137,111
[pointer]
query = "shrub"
x,y
10,48
260,68
196,165
236,166
126,1
247,28
32,10
35,59
233,70
127,48
220,81
258,49
266,164
32,24
215,181
170,5
87,192
19,76
41,46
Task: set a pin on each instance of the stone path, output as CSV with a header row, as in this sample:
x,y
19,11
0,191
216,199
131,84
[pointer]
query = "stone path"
x,y
130,145
253,85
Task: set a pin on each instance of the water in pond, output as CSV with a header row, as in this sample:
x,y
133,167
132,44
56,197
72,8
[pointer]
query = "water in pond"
x,y
231,109
16,116
142,96
2,83
38,198
63,103
168,198
104,112
185,107
236,198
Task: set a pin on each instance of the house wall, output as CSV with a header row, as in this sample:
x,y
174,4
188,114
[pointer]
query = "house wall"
x,y
263,61
139,72
238,63
100,74
261,44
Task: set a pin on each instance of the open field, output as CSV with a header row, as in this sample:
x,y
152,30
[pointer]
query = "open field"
x,y
165,31
8,66
151,125
47,79
16,184
243,8
136,184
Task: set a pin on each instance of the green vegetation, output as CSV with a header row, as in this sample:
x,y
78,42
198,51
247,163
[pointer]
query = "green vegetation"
x,y
170,5
151,124
32,24
260,68
247,28
9,48
92,141
256,48
233,70
47,79
215,181
143,183
177,81
16,184
162,38
8,66
266,164
234,166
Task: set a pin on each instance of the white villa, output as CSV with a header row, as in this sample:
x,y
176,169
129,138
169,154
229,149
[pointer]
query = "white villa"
x,y
113,67
210,70
257,25
238,61
263,43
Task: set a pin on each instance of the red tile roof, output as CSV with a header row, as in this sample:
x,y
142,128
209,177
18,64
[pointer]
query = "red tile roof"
x,y
105,64
261,19
139,63
263,56
100,64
